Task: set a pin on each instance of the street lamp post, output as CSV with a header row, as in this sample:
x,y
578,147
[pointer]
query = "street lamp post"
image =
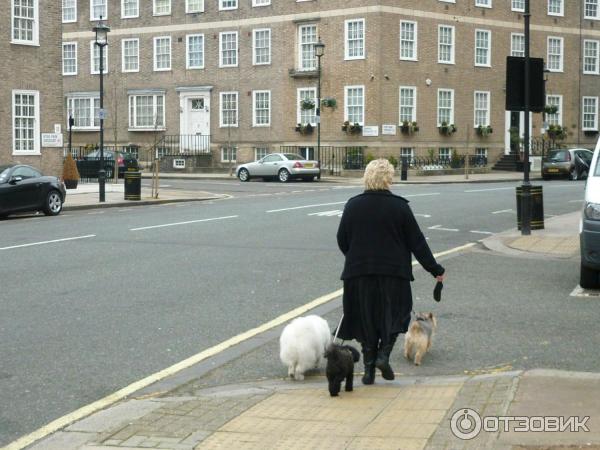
x,y
101,31
319,52
526,187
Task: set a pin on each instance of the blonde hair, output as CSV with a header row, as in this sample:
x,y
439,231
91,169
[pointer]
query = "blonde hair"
x,y
378,175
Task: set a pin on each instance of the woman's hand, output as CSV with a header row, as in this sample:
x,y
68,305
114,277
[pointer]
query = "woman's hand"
x,y
440,278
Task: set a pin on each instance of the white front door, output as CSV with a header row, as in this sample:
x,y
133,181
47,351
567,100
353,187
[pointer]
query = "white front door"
x,y
195,121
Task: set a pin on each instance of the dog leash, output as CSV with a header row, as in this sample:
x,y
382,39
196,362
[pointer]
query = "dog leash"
x,y
337,330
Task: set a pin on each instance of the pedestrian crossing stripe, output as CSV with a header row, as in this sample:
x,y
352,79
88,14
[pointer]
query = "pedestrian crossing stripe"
x,y
335,212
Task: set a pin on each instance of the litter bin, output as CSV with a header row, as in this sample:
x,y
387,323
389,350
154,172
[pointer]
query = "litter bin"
x,y
133,185
537,207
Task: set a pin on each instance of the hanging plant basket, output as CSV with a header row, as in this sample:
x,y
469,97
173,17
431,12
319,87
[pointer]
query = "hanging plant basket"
x,y
447,129
484,130
307,104
556,132
329,102
550,109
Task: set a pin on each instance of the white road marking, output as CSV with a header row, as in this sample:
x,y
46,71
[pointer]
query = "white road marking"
x,y
421,195
109,400
576,201
48,242
422,215
549,215
306,206
480,232
490,189
181,223
502,211
439,227
95,213
335,212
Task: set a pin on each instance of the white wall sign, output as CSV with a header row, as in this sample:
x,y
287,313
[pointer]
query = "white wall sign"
x,y
388,129
52,140
57,128
370,131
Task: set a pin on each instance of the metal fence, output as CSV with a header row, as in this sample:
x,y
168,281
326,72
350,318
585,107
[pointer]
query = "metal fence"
x,y
333,160
443,163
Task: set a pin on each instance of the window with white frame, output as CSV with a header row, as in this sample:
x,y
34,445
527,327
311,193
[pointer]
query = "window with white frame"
x,y
590,113
98,9
146,111
260,152
354,101
408,40
85,111
445,153
228,56
556,118
354,39
481,108
307,38
162,53
195,51
261,108
590,57
445,44
69,11
227,4
518,5
69,58
228,154
483,45
25,22
261,46
483,3
445,106
307,116
517,44
194,6
591,9
408,104
161,7
261,3
26,121
555,54
130,9
130,51
95,59
555,8
228,109
481,152
408,153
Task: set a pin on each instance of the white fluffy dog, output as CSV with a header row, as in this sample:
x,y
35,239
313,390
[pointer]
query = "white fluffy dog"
x,y
303,343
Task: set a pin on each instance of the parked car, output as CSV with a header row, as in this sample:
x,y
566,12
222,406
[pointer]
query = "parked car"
x,y
24,188
89,165
283,166
589,237
566,162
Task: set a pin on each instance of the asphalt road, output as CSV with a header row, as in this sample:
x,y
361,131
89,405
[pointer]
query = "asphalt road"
x,y
121,293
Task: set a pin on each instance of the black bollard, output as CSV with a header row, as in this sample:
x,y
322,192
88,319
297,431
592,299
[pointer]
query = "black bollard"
x,y
404,169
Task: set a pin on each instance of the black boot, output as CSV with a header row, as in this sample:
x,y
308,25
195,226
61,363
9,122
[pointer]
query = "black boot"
x,y
369,355
383,358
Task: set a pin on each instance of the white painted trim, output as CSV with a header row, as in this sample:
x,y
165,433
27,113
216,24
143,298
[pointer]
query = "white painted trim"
x,y
414,114
36,126
416,41
299,99
237,49
437,109
123,16
562,53
453,45
63,17
346,88
105,55
35,41
188,11
123,41
561,13
156,14
254,124
228,8
597,71
254,32
63,59
237,109
489,48
595,127
347,57
489,108
187,52
165,69
95,19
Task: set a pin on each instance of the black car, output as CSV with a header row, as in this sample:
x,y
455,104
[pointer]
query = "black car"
x,y
23,188
89,165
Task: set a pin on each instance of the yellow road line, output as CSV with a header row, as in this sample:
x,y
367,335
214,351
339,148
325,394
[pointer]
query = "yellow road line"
x,y
195,359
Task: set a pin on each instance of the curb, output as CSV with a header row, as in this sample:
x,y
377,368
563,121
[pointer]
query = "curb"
x,y
135,203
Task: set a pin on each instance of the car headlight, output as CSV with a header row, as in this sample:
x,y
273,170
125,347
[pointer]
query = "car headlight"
x,y
592,211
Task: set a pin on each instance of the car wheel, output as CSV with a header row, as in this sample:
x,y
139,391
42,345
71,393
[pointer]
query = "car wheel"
x,y
283,175
244,175
54,203
589,278
573,175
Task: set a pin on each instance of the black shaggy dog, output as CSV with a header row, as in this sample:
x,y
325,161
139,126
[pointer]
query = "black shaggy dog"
x,y
340,366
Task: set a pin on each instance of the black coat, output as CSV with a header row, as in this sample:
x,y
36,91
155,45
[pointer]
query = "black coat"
x,y
378,233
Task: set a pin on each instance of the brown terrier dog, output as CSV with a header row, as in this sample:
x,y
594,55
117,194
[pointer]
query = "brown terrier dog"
x,y
417,341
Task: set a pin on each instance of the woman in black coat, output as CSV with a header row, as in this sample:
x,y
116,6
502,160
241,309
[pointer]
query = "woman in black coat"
x,y
378,234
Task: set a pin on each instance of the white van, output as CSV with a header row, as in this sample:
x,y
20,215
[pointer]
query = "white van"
x,y
589,236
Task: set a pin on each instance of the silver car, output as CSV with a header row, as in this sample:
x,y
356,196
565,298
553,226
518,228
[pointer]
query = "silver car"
x,y
283,166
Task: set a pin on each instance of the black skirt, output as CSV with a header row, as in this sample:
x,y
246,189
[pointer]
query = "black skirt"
x,y
375,308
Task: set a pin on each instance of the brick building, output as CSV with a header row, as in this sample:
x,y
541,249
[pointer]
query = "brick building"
x,y
31,100
236,71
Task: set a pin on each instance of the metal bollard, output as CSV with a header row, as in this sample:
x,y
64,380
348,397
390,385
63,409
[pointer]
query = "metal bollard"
x,y
404,169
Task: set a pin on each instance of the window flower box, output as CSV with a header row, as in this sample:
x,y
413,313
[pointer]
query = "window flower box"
x,y
484,130
409,127
352,128
304,128
447,129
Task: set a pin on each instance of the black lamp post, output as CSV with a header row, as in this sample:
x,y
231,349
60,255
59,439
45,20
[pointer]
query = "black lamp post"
x,y
526,187
101,31
319,52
